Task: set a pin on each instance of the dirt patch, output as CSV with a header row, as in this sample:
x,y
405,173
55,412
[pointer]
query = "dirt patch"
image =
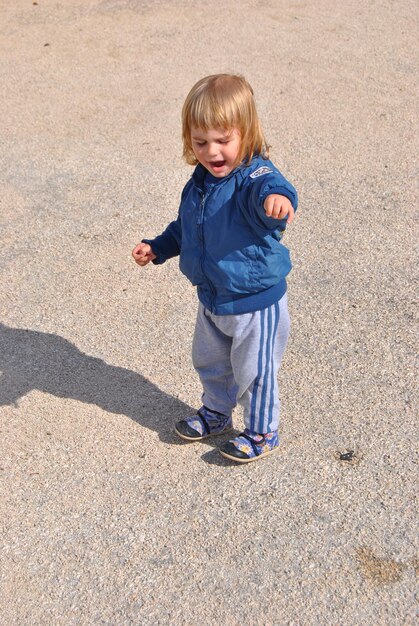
x,y
377,570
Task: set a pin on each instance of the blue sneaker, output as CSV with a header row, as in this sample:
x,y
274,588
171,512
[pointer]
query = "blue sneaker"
x,y
248,446
202,425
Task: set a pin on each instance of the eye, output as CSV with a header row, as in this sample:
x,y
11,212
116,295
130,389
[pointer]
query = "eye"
x,y
200,143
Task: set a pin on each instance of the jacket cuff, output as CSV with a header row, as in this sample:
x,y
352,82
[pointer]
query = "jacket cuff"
x,y
155,248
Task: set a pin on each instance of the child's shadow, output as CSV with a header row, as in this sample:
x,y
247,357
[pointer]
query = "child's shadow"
x,y
35,360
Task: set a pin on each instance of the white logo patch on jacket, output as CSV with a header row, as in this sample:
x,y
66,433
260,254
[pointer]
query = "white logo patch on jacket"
x,y
261,171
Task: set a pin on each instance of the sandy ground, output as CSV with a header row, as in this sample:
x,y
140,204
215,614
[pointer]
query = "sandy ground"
x,y
107,518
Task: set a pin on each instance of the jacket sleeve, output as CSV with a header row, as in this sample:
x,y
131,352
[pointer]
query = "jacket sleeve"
x,y
168,244
255,192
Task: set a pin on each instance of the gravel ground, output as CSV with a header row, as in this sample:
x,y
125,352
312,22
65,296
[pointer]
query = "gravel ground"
x,y
108,518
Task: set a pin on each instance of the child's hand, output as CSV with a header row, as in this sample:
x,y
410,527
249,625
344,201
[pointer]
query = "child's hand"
x,y
278,207
143,254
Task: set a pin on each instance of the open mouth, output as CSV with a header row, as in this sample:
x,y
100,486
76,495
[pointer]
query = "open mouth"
x,y
217,164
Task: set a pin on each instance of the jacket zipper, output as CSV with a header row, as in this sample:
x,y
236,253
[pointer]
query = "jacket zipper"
x,y
201,225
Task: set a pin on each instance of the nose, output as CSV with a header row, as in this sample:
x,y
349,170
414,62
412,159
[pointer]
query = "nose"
x,y
212,149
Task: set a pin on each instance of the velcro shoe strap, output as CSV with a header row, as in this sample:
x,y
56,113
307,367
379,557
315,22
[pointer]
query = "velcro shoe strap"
x,y
204,422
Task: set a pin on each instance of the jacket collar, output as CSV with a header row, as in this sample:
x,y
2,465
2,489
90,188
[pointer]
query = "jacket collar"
x,y
200,172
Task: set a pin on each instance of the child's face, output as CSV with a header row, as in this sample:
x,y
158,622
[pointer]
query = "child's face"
x,y
216,149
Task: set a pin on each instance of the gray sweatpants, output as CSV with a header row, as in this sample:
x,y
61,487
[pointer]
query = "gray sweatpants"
x,y
237,358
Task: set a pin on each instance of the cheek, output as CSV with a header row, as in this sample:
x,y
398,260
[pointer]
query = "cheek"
x,y
236,150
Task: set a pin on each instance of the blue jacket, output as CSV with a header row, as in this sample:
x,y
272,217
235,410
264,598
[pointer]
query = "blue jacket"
x,y
229,248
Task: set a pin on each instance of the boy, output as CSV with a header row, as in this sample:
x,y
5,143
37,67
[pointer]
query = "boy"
x,y
228,233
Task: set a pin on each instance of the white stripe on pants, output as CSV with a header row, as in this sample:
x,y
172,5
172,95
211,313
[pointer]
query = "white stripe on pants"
x,y
238,357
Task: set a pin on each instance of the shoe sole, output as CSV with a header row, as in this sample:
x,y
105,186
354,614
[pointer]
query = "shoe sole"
x,y
186,438
253,458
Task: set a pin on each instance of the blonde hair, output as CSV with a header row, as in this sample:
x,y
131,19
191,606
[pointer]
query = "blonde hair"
x,y
223,101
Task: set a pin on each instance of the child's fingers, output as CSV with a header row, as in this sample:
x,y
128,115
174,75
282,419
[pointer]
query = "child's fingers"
x,y
269,205
143,259
141,250
291,214
143,254
277,209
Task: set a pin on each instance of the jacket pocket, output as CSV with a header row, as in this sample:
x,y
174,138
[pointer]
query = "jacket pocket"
x,y
190,265
231,274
